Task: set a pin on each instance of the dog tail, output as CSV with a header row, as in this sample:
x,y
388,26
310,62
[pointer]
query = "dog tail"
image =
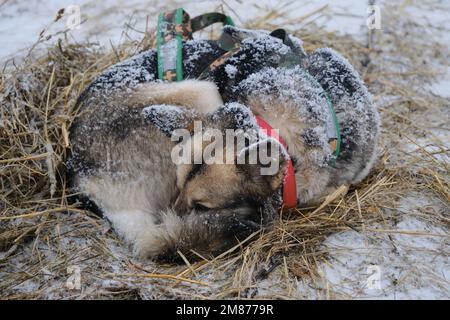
x,y
203,96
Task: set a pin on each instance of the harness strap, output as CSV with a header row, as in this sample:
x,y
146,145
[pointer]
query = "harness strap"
x,y
332,126
204,20
333,140
174,27
289,183
218,62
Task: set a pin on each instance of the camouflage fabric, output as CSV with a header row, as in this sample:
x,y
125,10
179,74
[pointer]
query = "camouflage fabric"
x,y
170,29
173,27
176,26
218,62
207,19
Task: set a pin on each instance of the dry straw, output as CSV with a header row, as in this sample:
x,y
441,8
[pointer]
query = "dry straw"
x,y
41,235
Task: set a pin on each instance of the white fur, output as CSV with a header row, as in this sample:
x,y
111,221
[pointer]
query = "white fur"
x,y
130,209
148,238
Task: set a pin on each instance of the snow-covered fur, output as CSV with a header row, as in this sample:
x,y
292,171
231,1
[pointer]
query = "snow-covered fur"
x,y
121,160
291,100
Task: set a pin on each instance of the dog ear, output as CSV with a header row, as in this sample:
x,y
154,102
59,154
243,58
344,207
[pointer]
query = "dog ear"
x,y
234,116
168,118
264,163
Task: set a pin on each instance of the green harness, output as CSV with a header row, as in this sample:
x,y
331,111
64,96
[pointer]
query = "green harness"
x,y
175,26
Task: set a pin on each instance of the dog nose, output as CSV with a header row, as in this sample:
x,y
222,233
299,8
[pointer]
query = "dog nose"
x,y
239,226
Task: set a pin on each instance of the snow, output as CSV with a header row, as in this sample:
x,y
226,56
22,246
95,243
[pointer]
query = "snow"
x,y
413,263
352,257
199,48
428,145
231,71
104,22
441,87
126,74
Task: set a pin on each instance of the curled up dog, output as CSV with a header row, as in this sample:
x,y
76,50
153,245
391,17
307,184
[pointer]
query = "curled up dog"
x,y
157,158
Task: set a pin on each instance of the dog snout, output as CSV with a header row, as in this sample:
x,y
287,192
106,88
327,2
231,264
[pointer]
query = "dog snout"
x,y
239,224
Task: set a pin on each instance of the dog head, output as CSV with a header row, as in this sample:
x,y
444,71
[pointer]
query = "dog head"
x,y
227,170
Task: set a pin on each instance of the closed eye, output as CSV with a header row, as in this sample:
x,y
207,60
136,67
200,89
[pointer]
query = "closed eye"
x,y
200,207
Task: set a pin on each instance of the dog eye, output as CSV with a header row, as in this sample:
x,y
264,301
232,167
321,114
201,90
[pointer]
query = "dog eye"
x,y
199,207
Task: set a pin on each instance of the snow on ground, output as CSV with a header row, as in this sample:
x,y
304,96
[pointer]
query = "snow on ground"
x,y
411,262
438,22
21,22
407,265
441,87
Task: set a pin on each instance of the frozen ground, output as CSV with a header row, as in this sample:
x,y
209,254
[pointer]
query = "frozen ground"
x,y
405,258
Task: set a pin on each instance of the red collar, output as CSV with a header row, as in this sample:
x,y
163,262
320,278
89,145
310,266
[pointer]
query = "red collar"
x,y
289,184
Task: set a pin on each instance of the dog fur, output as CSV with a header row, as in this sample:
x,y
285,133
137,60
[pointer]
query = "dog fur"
x,y
121,144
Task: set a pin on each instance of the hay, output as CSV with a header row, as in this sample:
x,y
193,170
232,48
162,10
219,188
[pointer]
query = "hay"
x,y
42,237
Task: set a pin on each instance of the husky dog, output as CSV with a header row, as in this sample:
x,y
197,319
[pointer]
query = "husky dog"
x,y
121,145
122,161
